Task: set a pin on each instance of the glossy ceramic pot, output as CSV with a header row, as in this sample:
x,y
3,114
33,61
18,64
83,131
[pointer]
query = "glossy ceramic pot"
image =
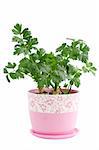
x,y
53,116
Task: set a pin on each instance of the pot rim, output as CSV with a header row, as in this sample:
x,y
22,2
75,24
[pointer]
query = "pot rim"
x,y
35,91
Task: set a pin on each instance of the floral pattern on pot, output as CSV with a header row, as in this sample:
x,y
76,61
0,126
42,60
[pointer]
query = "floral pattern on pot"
x,y
53,103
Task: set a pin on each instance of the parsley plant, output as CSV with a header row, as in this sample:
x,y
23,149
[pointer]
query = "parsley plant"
x,y
48,69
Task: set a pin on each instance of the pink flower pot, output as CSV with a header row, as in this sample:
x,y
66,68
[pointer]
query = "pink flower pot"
x,y
53,116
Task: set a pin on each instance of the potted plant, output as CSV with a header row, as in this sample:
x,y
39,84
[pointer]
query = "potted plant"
x,y
53,105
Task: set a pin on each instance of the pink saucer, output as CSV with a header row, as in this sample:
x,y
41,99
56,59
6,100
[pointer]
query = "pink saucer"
x,y
56,136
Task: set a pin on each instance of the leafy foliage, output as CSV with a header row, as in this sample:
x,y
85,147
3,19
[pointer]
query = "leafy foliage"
x,y
23,38
48,69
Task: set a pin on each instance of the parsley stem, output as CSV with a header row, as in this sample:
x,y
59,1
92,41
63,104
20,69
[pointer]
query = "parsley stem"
x,y
69,89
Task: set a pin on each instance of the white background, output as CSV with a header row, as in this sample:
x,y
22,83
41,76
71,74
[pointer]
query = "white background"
x,y
51,21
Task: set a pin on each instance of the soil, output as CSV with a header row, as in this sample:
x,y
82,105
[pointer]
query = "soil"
x,y
60,91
